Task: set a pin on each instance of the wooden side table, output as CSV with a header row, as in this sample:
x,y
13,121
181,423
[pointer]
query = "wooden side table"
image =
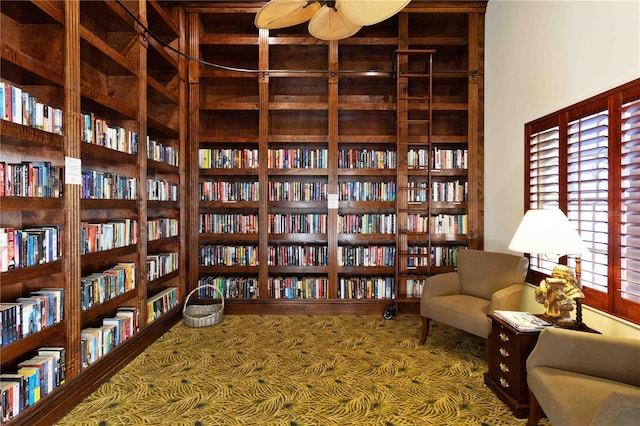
x,y
507,352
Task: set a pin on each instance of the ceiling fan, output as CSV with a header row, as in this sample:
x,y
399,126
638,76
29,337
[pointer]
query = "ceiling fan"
x,y
328,19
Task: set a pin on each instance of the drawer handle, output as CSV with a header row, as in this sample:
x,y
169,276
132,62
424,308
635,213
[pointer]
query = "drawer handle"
x,y
504,337
504,383
504,368
503,352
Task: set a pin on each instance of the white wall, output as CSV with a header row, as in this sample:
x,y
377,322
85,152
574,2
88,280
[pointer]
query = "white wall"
x,y
542,56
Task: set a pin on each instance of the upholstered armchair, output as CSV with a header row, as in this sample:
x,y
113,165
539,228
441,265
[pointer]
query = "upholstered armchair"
x,y
484,281
580,379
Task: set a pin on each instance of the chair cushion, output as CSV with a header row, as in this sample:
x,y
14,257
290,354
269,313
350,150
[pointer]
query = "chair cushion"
x,y
464,312
568,398
482,273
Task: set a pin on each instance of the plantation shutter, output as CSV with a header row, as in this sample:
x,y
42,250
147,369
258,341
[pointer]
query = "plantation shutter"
x,y
544,165
588,193
629,295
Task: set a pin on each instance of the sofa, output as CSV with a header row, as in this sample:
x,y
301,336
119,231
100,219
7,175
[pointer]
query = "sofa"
x,y
578,379
484,281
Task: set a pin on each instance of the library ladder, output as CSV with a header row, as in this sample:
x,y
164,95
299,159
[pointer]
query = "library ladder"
x,y
413,73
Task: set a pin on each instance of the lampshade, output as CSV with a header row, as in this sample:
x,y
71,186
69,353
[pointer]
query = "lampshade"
x,y
369,12
285,13
331,24
547,231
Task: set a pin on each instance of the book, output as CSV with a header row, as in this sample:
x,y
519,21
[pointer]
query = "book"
x,y
23,387
523,321
59,354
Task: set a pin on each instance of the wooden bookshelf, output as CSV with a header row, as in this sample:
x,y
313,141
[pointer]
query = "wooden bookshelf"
x,y
93,61
95,57
289,91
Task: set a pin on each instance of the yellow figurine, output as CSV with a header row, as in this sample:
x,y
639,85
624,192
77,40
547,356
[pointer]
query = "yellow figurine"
x,y
557,294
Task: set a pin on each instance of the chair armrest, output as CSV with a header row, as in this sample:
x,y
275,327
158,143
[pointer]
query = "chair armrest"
x,y
442,285
608,357
618,409
507,299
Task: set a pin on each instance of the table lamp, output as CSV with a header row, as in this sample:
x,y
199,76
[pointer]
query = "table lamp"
x,y
549,232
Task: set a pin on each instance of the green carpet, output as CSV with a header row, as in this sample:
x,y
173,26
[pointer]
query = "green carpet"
x,y
301,370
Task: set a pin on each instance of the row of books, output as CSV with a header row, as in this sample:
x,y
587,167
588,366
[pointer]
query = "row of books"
x,y
449,192
370,223
157,151
95,342
315,223
219,255
95,237
162,227
451,224
298,158
20,248
18,106
99,287
230,287
161,303
229,192
297,191
366,255
161,190
161,264
450,159
35,377
367,191
232,158
228,223
297,287
418,158
97,131
421,259
414,287
366,159
366,288
108,186
434,256
298,255
30,314
31,179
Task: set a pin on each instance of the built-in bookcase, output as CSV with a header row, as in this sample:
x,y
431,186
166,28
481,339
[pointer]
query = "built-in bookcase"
x,y
93,179
316,210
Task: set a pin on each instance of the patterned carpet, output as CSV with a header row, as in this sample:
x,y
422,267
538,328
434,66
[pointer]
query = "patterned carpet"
x,y
301,370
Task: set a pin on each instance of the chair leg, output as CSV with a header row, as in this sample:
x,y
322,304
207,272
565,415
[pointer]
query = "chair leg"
x,y
425,330
535,410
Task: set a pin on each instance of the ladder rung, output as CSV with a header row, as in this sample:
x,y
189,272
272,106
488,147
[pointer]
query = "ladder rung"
x,y
414,98
413,74
414,51
416,121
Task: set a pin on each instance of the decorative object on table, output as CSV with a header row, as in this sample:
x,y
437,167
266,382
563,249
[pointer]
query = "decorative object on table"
x,y
558,293
549,232
202,315
522,321
328,19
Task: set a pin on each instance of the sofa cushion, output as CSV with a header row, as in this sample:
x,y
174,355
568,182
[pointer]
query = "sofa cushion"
x,y
571,399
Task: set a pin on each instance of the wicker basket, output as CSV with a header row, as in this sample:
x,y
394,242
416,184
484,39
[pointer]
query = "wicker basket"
x,y
202,315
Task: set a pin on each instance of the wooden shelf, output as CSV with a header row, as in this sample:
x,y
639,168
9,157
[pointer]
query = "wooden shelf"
x,y
92,57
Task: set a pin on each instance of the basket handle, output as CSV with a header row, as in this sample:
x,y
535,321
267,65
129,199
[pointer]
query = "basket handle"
x,y
186,301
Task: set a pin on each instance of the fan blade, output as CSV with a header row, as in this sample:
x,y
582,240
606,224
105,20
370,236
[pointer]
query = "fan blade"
x,y
285,13
329,24
369,12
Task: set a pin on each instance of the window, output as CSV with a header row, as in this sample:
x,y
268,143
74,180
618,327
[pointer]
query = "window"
x,y
585,160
